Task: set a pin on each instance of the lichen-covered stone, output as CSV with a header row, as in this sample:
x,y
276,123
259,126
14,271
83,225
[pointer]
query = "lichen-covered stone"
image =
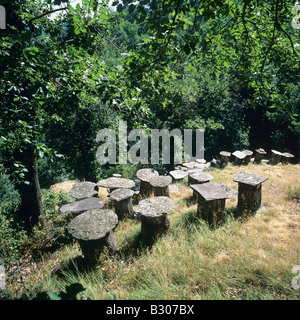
x,y
80,206
249,178
201,177
178,174
214,191
146,174
260,153
113,183
160,181
121,194
83,190
225,153
92,224
239,155
122,200
287,157
155,209
249,197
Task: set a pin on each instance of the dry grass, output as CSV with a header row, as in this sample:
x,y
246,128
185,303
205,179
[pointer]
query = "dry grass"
x,y
65,186
242,259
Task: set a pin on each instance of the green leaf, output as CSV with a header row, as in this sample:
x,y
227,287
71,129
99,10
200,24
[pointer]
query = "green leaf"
x,y
54,296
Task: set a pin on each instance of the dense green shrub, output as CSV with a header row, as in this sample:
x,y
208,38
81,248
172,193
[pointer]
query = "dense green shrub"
x,y
12,233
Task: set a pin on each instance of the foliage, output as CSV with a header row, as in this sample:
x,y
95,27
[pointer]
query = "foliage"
x,y
244,43
51,226
293,193
7,189
70,294
14,241
12,232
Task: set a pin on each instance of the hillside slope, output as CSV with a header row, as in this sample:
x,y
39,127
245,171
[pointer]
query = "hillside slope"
x,y
242,259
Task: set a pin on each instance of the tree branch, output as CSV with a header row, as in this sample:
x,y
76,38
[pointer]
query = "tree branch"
x,y
47,13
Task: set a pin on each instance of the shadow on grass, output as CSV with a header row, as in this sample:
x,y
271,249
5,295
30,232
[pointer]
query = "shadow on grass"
x,y
134,247
190,201
192,219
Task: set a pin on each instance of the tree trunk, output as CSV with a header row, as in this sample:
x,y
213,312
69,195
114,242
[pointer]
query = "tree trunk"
x,y
161,191
31,197
146,190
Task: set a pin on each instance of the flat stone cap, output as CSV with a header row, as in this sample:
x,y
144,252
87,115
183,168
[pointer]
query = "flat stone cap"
x,y
160,181
201,161
214,191
83,190
225,153
193,171
191,164
114,182
248,152
249,178
121,194
260,151
288,155
239,154
154,208
82,205
276,152
202,176
146,174
92,224
178,174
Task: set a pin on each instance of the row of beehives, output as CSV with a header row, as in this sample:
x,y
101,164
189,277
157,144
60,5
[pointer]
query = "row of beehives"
x,y
93,226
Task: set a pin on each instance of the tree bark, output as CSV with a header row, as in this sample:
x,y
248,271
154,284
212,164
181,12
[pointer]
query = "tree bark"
x,y
124,208
150,231
146,190
31,207
161,191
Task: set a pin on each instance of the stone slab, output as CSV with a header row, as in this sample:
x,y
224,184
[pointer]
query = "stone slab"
x,y
160,181
276,152
80,206
288,155
201,161
178,174
249,178
92,224
225,153
214,191
116,183
260,151
201,177
154,208
146,174
248,152
121,194
238,154
83,190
